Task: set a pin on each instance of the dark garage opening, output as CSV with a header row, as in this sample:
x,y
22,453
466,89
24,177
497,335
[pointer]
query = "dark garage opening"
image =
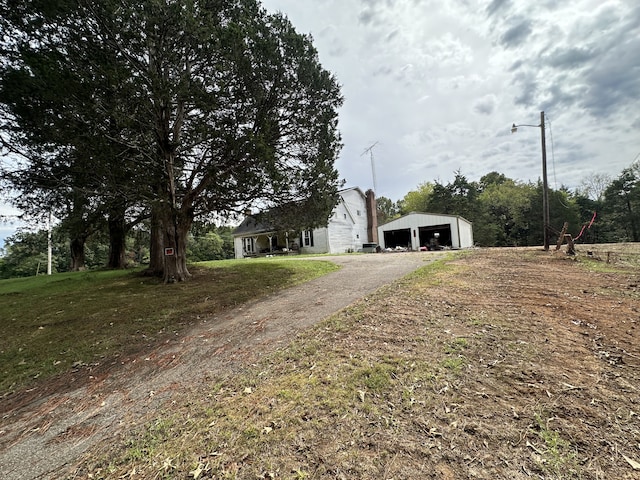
x,y
397,238
428,236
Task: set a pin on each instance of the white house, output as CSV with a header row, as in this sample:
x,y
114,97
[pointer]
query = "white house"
x,y
431,230
351,225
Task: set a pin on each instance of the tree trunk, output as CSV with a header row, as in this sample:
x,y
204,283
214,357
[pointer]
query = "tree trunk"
x,y
175,255
168,248
117,238
156,245
77,254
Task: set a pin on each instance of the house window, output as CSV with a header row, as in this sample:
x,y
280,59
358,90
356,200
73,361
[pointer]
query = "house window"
x,y
307,238
248,245
358,212
345,216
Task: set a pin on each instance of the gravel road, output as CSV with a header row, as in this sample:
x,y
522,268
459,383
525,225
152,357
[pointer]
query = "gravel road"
x,y
45,439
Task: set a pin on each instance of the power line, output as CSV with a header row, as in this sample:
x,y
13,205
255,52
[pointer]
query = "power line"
x,y
553,163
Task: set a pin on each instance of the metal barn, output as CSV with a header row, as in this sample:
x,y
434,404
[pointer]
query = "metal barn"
x,y
426,230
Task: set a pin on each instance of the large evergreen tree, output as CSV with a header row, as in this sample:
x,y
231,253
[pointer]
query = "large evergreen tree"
x,y
54,102
207,105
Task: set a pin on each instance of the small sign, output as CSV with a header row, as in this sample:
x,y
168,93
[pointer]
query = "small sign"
x,y
169,252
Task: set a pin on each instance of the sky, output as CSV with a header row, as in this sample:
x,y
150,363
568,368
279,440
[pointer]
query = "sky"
x,y
433,87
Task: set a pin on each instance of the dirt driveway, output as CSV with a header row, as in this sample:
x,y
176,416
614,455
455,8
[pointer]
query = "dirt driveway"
x,y
43,438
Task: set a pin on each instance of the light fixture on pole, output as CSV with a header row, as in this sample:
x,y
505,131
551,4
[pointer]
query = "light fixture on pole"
x,y
545,189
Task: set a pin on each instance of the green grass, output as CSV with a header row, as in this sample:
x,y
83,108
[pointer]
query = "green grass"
x,y
599,266
51,323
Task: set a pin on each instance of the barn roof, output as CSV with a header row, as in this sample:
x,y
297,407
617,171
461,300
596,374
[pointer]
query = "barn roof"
x,y
431,214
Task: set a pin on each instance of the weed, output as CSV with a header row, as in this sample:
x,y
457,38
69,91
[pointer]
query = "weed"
x,y
300,474
557,457
457,345
375,378
454,364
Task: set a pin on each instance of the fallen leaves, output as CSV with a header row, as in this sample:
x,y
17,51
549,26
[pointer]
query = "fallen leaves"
x,y
635,465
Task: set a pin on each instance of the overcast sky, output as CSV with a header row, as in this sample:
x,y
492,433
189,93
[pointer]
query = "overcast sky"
x,y
438,84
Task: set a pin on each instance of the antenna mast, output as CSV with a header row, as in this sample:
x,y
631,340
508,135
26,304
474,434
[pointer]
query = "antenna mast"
x,y
369,150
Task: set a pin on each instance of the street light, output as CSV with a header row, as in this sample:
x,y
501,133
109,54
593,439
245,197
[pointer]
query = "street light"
x,y
545,189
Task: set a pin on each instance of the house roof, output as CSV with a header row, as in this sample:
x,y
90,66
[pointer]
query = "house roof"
x,y
410,214
357,189
251,226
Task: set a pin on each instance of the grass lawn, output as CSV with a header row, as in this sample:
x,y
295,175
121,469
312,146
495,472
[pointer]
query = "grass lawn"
x,y
51,323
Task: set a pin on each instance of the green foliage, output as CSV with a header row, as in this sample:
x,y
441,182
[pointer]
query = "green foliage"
x,y
387,210
417,200
206,247
175,108
622,206
505,212
25,255
508,206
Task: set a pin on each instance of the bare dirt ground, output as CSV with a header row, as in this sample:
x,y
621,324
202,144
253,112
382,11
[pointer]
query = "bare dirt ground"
x,y
44,432
532,361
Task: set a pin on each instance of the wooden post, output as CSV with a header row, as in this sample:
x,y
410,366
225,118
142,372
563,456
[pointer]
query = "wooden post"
x,y
570,245
564,236
565,227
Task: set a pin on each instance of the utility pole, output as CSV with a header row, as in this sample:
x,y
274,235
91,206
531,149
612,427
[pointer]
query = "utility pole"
x,y
49,244
545,188
369,150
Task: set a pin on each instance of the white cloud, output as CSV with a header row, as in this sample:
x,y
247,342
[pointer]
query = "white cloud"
x,y
439,84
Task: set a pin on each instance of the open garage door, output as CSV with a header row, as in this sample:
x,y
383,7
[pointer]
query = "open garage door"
x,y
436,236
398,238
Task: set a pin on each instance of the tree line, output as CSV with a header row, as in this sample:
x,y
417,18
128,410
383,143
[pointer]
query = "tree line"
x,y
25,253
164,113
136,123
506,212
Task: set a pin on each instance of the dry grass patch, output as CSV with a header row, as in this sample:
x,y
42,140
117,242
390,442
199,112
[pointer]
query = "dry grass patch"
x,y
476,367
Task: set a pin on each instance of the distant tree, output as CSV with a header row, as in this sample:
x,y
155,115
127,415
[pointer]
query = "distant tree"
x,y
455,198
593,186
25,255
508,206
622,206
594,230
228,247
492,178
416,200
206,247
387,209
462,197
563,208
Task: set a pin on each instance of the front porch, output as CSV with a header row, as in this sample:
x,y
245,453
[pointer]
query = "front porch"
x,y
265,245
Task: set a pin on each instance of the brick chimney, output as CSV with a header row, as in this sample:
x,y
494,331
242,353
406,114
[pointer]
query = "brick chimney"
x,y
372,217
